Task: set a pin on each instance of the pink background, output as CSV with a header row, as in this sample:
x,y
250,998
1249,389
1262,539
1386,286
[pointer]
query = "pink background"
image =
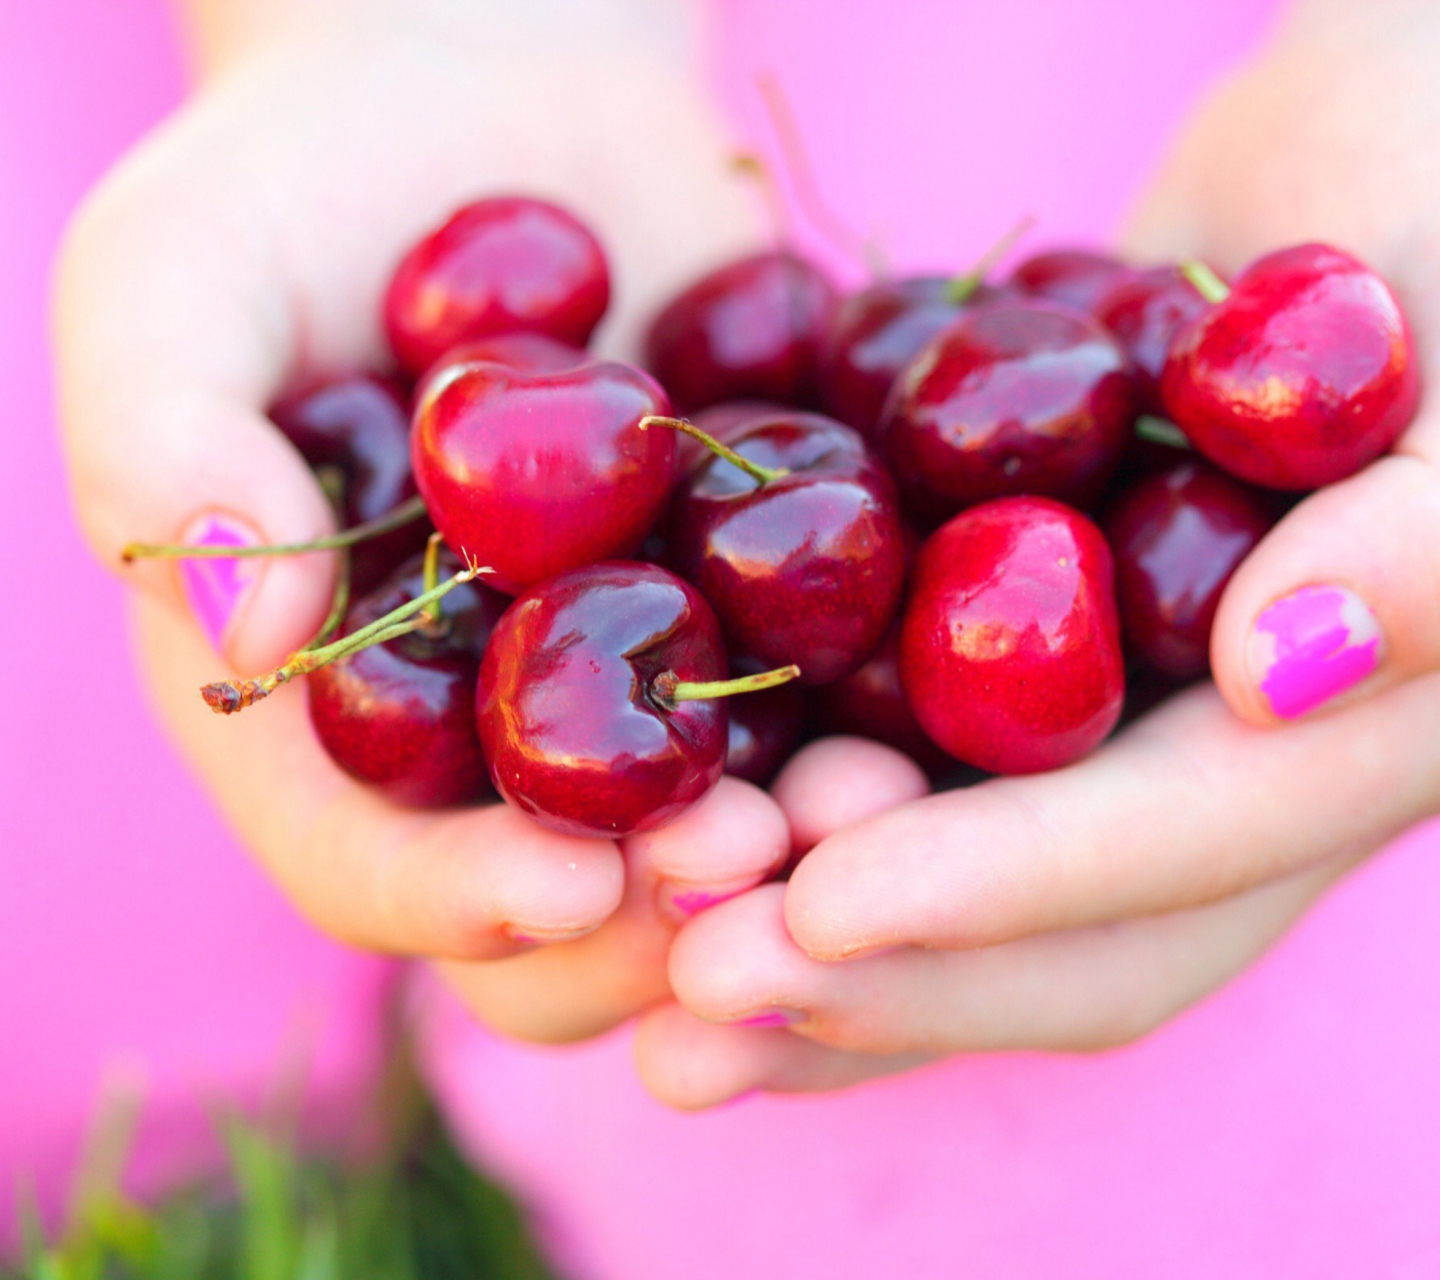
x,y
1287,1127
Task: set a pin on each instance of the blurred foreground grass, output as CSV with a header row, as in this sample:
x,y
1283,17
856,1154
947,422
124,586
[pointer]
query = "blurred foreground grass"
x,y
410,1208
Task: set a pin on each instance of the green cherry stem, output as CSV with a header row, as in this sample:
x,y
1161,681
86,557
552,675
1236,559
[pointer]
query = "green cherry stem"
x,y
1207,284
759,474
669,689
225,697
1161,431
406,513
962,288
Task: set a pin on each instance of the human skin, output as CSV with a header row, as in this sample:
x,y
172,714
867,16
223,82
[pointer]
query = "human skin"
x,y
211,270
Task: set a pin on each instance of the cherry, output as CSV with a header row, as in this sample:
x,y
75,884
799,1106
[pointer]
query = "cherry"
x,y
764,730
401,715
1010,644
497,266
722,422
1020,396
750,330
596,703
801,552
1144,313
527,352
1297,376
1177,538
361,426
1079,278
534,474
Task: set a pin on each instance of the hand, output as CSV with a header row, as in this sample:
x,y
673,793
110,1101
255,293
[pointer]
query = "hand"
x,y
1080,909
244,247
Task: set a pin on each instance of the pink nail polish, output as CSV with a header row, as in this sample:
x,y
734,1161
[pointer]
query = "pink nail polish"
x,y
771,1018
214,588
1310,646
681,902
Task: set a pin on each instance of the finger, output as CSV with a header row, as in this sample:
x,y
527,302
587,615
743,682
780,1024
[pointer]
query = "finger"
x,y
836,782
692,1064
1187,806
465,883
1075,990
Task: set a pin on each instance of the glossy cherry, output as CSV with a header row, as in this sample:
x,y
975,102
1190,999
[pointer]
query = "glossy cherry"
x,y
534,474
401,715
1010,645
360,425
877,332
572,703
749,330
807,567
497,266
1299,376
1177,538
764,730
1020,396
1144,313
1077,277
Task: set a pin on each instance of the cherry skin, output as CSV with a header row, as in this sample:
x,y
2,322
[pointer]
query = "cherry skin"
x,y
400,716
1010,645
497,266
1019,396
1301,376
807,568
1079,278
875,333
765,728
572,705
750,330
1144,313
1178,537
535,474
360,424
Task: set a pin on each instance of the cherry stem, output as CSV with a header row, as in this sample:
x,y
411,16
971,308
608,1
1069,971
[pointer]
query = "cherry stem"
x,y
752,167
406,513
759,474
228,696
668,688
1161,431
339,602
1207,284
430,579
963,287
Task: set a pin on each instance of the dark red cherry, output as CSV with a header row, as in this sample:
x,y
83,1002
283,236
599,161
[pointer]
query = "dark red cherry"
x,y
1020,396
535,474
1010,645
1144,313
870,703
1177,538
805,568
877,332
723,422
360,425
401,715
765,728
573,703
750,330
497,266
1299,376
1077,277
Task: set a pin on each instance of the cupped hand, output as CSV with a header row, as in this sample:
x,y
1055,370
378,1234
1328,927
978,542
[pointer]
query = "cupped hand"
x,y
1081,908
244,248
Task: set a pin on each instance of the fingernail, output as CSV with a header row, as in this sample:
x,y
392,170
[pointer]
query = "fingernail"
x,y
679,902
1310,646
214,588
771,1018
545,937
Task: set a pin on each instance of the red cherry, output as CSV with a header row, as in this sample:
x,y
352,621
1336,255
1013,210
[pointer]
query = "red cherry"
x,y
361,425
1077,277
764,730
577,704
1145,313
750,330
535,474
401,715
1019,396
1298,376
875,333
527,352
806,567
1010,645
497,266
1177,538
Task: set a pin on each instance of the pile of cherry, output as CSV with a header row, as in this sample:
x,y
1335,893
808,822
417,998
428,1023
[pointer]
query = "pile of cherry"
x,y
872,521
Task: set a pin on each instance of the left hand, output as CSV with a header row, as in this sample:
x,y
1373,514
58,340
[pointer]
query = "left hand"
x,y
1081,908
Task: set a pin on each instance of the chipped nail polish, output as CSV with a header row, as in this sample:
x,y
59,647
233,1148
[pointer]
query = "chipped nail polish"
x,y
214,588
771,1018
1311,646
